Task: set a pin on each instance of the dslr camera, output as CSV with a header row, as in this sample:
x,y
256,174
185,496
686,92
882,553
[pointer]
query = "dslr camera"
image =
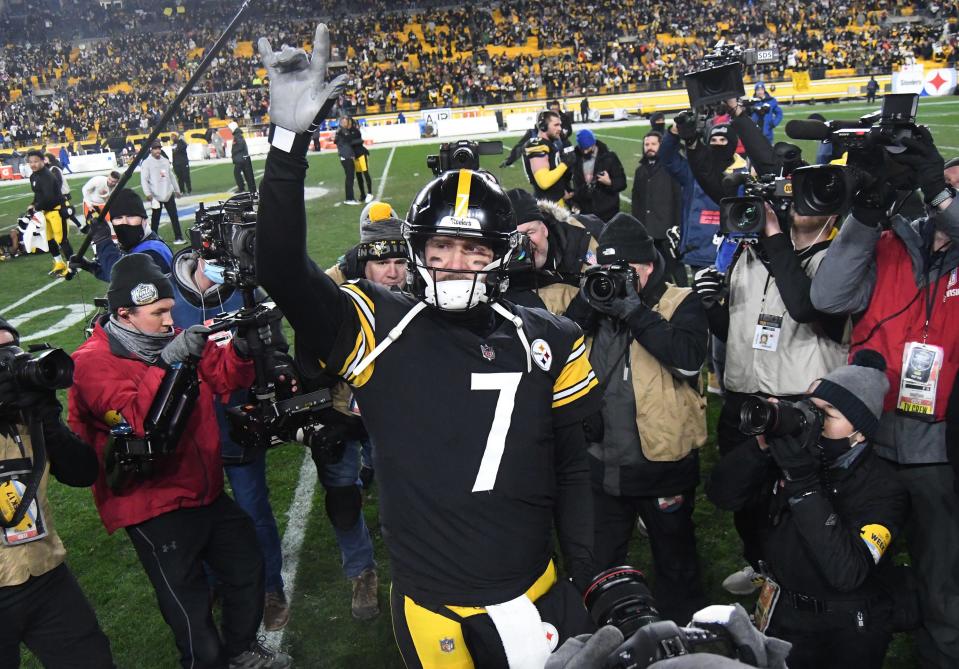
x,y
602,285
720,73
225,234
779,419
745,216
825,190
621,597
462,155
41,367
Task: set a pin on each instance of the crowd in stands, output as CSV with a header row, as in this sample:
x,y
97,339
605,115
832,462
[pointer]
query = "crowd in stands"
x,y
86,71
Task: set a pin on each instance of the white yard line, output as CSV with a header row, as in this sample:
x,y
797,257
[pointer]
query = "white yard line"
x,y
386,171
27,298
299,516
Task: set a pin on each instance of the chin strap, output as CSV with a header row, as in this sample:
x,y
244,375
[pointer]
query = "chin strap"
x,y
518,322
390,338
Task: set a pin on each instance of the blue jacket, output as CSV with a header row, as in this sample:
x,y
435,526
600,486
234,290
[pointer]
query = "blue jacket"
x,y
700,215
768,121
108,253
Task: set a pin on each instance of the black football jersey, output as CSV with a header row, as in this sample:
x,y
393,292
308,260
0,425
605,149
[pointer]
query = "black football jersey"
x,y
463,440
538,148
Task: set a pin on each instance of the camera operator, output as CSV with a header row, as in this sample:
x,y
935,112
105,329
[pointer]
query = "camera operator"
x,y
128,221
648,345
656,203
700,214
454,489
200,295
767,113
176,516
900,282
40,600
562,249
548,163
832,515
598,177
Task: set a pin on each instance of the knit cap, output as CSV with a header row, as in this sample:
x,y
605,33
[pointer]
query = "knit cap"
x,y
135,281
857,390
625,239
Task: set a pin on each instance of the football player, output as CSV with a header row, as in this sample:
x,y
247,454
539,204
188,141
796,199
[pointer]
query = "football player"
x,y
475,405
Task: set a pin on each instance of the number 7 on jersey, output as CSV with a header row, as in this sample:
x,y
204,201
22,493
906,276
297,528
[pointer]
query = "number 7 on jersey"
x,y
507,383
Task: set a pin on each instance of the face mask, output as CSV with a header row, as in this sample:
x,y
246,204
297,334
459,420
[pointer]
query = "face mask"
x,y
129,236
834,448
213,272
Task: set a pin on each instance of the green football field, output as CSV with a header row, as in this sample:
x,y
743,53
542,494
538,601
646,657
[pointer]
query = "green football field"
x,y
321,632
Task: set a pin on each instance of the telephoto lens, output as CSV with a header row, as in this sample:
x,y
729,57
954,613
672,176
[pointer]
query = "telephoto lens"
x,y
777,419
621,597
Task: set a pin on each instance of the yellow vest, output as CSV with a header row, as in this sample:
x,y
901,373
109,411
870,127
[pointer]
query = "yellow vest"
x,y
18,563
670,414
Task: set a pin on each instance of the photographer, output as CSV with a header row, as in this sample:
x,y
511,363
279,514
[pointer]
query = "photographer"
x,y
648,345
767,113
598,177
832,515
200,295
174,511
900,282
562,249
128,221
429,369
40,601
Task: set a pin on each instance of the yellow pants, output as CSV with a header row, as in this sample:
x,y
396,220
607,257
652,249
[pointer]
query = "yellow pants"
x,y
55,225
430,640
360,164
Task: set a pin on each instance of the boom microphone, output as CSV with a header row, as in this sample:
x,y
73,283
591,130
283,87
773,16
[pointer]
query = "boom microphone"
x,y
817,130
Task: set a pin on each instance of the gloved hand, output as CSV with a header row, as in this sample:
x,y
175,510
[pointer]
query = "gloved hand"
x,y
755,648
186,346
79,262
298,86
619,307
586,651
794,458
242,344
686,126
42,403
924,160
99,230
673,236
707,283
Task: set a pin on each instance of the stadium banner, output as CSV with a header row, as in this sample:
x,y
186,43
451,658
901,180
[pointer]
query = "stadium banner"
x,y
521,122
941,81
436,117
93,162
909,79
397,132
478,125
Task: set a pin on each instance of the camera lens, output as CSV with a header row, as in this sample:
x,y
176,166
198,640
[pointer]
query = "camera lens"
x,y
621,597
50,370
463,158
745,217
756,416
828,191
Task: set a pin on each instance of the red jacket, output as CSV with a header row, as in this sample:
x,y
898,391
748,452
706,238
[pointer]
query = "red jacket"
x,y
193,476
895,288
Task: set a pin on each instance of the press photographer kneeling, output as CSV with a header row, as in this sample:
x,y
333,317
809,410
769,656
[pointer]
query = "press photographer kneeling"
x,y
41,603
833,512
144,397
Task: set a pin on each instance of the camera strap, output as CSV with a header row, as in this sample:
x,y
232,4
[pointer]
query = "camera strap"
x,y
18,498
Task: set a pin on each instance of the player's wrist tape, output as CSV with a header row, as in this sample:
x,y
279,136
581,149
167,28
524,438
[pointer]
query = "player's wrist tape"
x,y
288,141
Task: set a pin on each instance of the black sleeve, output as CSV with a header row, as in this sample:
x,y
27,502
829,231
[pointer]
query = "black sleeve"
x,y
679,343
582,314
617,174
310,300
47,191
758,148
739,478
707,174
72,461
795,286
638,196
717,314
573,513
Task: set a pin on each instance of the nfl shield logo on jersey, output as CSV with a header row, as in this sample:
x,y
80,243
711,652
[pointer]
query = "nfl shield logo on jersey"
x,y
447,645
488,352
542,355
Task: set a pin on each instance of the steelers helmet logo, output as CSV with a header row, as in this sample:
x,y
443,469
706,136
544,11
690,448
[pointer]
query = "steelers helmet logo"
x,y
144,293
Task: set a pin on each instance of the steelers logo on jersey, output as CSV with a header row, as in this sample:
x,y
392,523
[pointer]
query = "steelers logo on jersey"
x,y
542,355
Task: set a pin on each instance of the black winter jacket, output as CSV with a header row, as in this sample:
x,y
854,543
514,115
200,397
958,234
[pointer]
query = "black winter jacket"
x,y
657,198
595,198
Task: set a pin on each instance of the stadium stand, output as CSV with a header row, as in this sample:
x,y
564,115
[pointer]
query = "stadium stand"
x,y
84,72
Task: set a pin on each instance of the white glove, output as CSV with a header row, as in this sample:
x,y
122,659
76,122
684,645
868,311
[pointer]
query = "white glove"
x,y
707,282
298,86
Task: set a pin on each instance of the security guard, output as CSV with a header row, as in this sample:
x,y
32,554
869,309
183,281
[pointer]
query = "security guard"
x,y
834,510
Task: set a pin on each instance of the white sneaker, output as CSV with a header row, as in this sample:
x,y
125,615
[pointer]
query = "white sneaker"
x,y
368,198
743,582
641,527
350,202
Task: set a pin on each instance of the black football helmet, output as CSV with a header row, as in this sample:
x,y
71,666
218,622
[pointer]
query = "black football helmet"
x,y
462,204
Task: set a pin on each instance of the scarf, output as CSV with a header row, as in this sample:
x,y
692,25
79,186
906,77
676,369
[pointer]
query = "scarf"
x,y
144,346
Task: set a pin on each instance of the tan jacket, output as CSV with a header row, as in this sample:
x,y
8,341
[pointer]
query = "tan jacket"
x,y
18,563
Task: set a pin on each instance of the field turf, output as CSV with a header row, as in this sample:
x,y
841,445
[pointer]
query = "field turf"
x,y
321,632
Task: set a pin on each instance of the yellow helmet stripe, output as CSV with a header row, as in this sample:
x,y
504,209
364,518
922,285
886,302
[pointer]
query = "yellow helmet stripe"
x,y
463,194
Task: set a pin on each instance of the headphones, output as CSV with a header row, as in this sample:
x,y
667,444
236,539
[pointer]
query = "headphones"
x,y
542,119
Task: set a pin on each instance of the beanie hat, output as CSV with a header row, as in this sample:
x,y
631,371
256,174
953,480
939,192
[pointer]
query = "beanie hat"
x,y
857,390
585,138
371,222
4,325
952,162
656,117
127,203
719,130
135,281
524,206
625,239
